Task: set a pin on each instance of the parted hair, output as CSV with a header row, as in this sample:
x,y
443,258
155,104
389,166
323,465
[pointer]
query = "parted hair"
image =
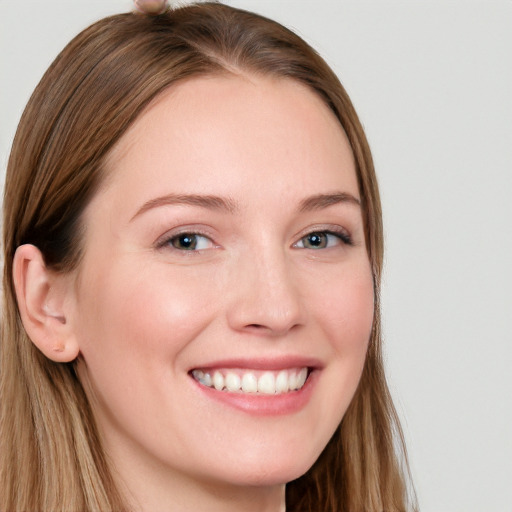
x,y
51,456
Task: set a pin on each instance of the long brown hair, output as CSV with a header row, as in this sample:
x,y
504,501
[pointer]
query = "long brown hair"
x,y
51,455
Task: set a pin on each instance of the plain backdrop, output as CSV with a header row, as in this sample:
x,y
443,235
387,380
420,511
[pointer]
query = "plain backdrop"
x,y
432,82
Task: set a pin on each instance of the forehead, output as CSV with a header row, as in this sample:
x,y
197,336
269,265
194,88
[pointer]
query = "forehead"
x,y
219,132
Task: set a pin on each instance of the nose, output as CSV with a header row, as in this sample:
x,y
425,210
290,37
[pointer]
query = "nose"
x,y
265,298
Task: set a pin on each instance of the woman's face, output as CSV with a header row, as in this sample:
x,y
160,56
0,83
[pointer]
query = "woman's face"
x,y
225,249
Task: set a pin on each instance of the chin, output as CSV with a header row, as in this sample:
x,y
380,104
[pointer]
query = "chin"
x,y
270,472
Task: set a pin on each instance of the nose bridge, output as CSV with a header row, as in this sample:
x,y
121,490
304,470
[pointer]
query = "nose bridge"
x,y
265,297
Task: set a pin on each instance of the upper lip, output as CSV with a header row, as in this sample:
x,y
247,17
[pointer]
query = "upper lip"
x,y
262,363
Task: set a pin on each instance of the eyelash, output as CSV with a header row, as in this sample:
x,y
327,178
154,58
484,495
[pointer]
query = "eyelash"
x,y
168,241
340,234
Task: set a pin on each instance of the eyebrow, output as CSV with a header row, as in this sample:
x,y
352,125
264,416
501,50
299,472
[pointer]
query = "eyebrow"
x,y
210,202
321,201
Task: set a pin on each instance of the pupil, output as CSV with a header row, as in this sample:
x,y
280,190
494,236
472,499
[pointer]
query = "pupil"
x,y
316,240
186,242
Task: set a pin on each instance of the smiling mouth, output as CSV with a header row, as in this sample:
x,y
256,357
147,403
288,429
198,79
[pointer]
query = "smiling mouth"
x,y
253,381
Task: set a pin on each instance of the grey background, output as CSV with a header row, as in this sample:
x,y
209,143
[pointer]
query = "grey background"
x,y
432,82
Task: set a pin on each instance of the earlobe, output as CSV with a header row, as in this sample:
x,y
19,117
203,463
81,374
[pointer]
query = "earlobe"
x,y
43,297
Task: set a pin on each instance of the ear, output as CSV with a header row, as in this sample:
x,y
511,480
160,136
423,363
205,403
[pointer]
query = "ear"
x,y
44,301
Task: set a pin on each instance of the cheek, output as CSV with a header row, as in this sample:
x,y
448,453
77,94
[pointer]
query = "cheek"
x,y
136,311
342,309
345,309
346,318
136,322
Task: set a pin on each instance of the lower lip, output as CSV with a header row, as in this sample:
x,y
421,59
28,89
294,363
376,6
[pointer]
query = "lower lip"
x,y
261,404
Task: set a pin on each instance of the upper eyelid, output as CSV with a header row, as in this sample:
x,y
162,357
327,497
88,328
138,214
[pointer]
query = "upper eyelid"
x,y
344,238
334,229
161,241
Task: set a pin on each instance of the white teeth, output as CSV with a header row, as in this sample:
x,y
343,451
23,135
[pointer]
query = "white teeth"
x,y
245,381
292,381
249,383
207,380
282,382
301,379
232,382
218,381
267,383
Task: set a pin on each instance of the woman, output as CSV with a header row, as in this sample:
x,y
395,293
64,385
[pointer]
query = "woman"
x,y
193,249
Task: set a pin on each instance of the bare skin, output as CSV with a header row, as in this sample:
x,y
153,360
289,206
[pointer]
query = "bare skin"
x,y
226,240
150,6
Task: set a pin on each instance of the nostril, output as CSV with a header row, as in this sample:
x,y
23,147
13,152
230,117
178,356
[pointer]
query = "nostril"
x,y
262,329
257,328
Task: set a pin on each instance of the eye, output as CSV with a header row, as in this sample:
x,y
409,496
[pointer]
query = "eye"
x,y
323,240
189,242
